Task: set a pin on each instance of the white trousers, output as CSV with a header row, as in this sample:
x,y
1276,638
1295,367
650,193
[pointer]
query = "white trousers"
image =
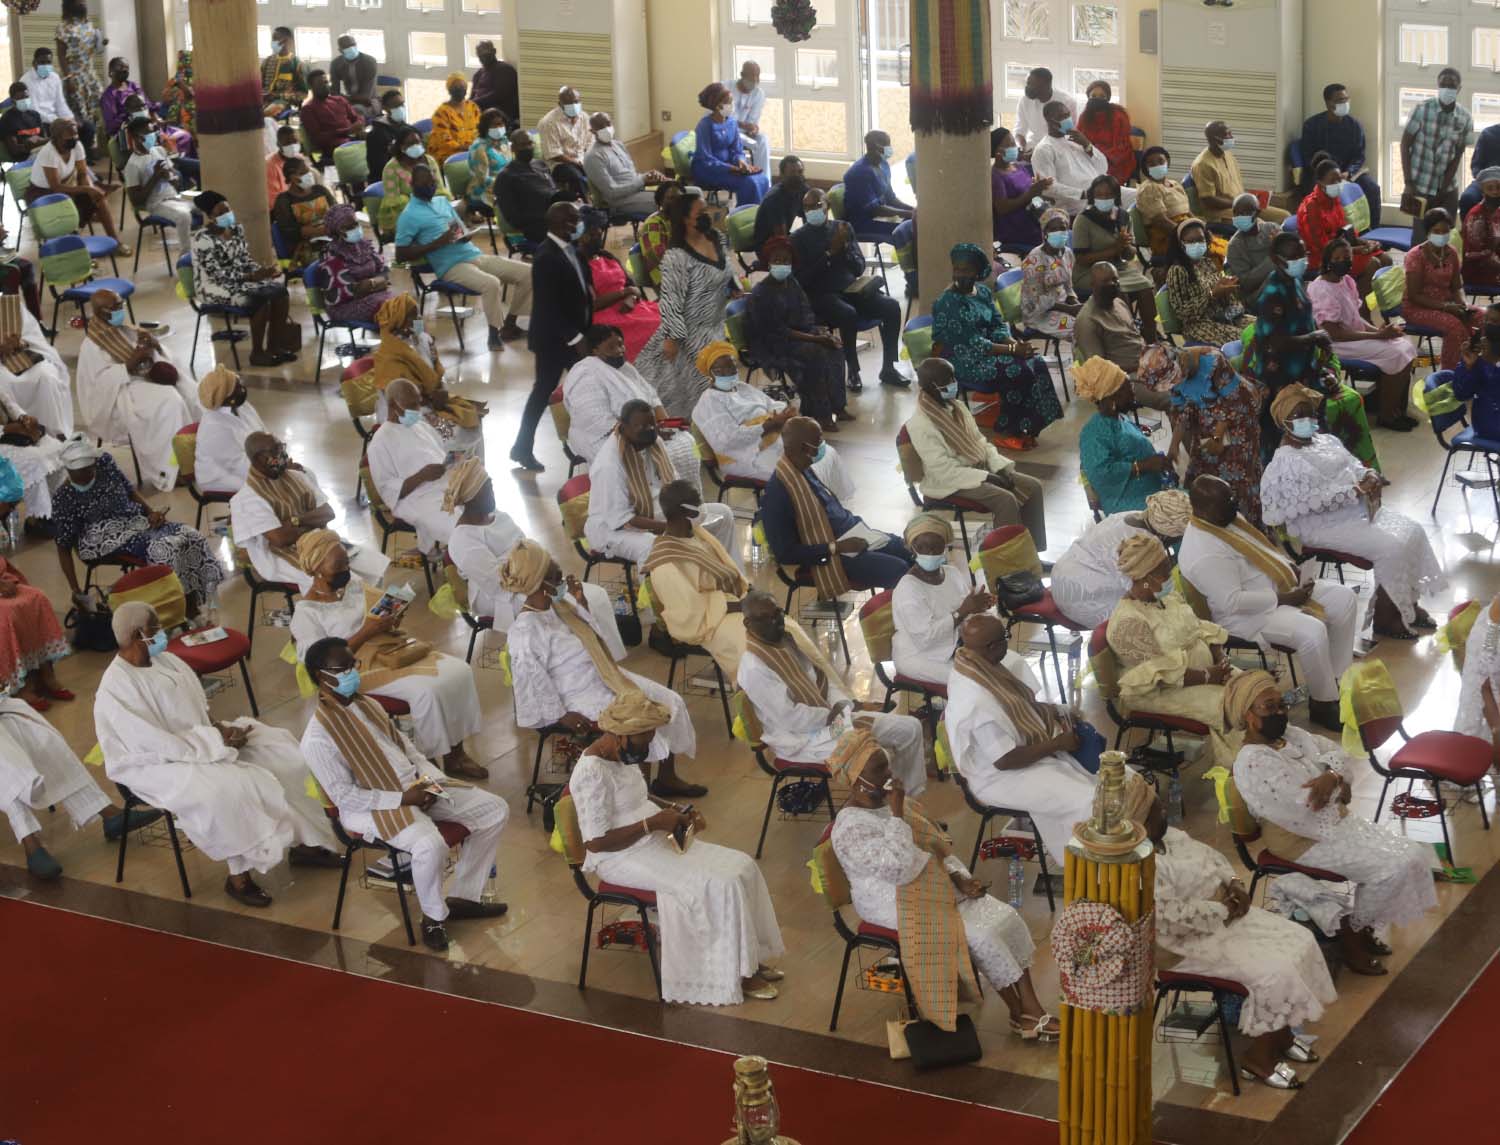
x,y
1324,647
493,276
483,814
181,214
82,805
635,545
444,708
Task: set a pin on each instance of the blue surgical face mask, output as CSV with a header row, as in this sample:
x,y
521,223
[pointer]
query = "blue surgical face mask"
x,y
577,231
1104,206
83,488
726,382
1439,240
1066,125
816,217
821,453
398,114
346,683
1158,171
1297,267
1333,190
350,53
224,221
148,140
560,590
1447,96
415,151
1243,222
1228,143
571,110
117,317
157,644
1011,154
931,562
23,105
353,235
887,151
1195,251
1057,239
1304,428
781,271
410,416
1164,591
497,134
950,391
45,70
1341,109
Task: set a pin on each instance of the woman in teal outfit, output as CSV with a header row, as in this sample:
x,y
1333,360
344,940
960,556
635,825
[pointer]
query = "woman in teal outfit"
x,y
1118,460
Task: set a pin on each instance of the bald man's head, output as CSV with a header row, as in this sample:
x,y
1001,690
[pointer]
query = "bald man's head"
x,y
104,301
1213,499
401,395
934,375
984,635
763,616
801,439
267,455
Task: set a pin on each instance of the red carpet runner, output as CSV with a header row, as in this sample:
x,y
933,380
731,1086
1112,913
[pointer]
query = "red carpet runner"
x,y
131,1036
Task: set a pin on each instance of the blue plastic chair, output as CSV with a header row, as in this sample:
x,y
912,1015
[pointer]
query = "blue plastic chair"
x,y
201,310
443,288
323,321
1050,342
1397,238
424,127
1422,334
1464,441
79,287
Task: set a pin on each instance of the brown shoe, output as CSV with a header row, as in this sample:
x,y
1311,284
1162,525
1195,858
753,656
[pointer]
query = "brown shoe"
x,y
248,893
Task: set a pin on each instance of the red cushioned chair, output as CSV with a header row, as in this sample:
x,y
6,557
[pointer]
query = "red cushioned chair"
x,y
1043,612
875,624
780,770
1171,982
388,523
259,588
1264,863
573,504
725,482
460,587
958,506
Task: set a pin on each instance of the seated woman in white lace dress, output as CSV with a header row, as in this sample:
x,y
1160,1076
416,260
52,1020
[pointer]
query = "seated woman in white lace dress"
x,y
1479,693
874,841
1328,500
930,602
1203,915
1297,786
717,924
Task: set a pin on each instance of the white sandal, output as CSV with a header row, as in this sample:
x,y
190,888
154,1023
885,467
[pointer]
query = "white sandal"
x,y
1038,1030
1281,1077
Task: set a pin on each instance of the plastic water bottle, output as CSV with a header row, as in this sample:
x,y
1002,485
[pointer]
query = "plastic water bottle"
x,y
755,554
488,894
622,606
1016,882
1174,800
13,528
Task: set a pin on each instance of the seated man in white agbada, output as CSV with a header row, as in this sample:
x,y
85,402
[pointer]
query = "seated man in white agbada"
x,y
220,463
1086,580
803,707
409,466
38,770
1012,749
930,602
278,504
131,392
625,480
32,373
237,789
384,788
563,660
35,452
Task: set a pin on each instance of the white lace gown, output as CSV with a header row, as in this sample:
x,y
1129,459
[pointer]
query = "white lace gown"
x,y
1276,959
1392,875
1310,489
879,855
1086,581
717,921
1481,664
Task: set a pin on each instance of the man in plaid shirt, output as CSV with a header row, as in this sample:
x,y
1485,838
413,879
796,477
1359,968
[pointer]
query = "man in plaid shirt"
x,y
1431,150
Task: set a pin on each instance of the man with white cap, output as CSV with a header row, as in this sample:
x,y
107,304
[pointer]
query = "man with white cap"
x,y
1086,580
409,466
236,789
228,419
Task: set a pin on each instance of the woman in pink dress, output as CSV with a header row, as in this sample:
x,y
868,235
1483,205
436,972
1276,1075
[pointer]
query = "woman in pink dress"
x,y
1435,288
617,302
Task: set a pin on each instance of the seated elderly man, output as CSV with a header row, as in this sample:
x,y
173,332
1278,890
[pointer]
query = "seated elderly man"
x,y
626,478
959,461
384,788
129,390
228,421
237,789
1297,786
742,424
278,504
807,525
1254,591
1249,259
38,770
1012,749
564,664
32,373
801,701
1216,173
1106,325
1086,580
409,466
696,586
612,174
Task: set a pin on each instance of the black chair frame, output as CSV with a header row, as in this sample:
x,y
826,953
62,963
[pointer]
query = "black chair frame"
x,y
987,813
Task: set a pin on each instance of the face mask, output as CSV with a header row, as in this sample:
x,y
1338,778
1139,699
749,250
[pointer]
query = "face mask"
x,y
291,150
693,512
1011,154
577,232
1447,96
1439,240
1108,293
1057,239
726,382
1273,727
705,224
558,590
415,151
43,71
615,361
1333,190
1158,172
1341,109
1243,222
398,114
781,271
426,192
1164,591
1195,251
148,141
816,217
157,644
647,439
23,105
410,417
821,453
1066,125
571,110
1104,206
417,328
498,134
1341,268
351,54
931,563
950,391
1297,267
346,683
353,235
1228,143
83,488
340,580
887,151
1304,428
632,755
305,180
524,158
1097,105
117,317
964,285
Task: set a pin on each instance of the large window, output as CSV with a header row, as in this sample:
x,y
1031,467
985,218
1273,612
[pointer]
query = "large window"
x,y
1423,37
1078,42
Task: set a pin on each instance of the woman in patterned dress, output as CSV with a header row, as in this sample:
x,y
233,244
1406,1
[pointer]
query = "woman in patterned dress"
x,y
395,180
355,280
1205,300
1216,416
225,274
1048,304
79,46
697,282
488,156
969,331
301,211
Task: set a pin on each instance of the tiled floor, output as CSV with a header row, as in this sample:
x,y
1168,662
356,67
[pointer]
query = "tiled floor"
x,y
536,946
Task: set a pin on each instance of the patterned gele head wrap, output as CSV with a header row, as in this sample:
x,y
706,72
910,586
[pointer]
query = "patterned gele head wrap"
x,y
1167,512
971,252
1240,693
1289,398
927,523
1140,555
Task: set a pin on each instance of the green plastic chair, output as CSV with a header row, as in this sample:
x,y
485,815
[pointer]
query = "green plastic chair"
x,y
836,201
352,163
682,147
741,228
53,220
1170,326
456,172
916,337
1138,229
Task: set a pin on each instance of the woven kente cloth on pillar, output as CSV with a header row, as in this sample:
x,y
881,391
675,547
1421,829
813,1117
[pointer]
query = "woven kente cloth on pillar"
x,y
951,88
1103,962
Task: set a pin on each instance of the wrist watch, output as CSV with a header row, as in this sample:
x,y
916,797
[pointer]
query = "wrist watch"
x,y
296,522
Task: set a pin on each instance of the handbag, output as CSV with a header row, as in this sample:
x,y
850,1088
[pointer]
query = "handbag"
x,y
1018,589
933,1048
402,654
1091,743
92,627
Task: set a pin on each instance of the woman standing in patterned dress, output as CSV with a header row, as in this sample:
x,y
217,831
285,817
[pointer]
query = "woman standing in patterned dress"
x,y
1216,415
79,46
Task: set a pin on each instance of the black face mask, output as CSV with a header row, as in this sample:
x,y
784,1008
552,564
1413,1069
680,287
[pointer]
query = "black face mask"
x,y
1340,268
1492,334
615,360
1273,727
632,755
340,580
524,158
647,439
1233,509
1098,105
705,224
774,633
1108,292
964,285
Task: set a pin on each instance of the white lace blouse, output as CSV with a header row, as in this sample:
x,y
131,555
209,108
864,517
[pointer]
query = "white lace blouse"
x,y
1316,480
1271,781
878,855
608,794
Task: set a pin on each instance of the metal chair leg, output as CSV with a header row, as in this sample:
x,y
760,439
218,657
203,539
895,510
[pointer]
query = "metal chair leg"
x,y
651,949
130,801
338,905
187,891
411,935
838,997
1041,858
249,691
588,935
984,822
766,822
1234,1073
724,698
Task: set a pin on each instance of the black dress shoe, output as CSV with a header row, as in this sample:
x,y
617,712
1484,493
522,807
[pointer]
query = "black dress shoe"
x,y
890,376
249,894
314,857
854,384
468,908
1325,713
682,791
527,462
434,936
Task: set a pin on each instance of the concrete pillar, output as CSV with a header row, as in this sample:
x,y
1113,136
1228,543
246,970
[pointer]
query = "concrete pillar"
x,y
951,115
226,88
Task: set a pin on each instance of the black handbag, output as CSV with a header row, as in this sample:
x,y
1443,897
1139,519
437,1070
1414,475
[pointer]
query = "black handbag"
x,y
92,629
1018,589
933,1048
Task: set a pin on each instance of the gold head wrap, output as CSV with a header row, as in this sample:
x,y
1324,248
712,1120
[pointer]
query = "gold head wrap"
x,y
927,523
313,548
632,713
711,354
1097,378
1168,512
851,755
465,480
456,78
1139,555
525,568
1289,398
216,386
394,312
1240,693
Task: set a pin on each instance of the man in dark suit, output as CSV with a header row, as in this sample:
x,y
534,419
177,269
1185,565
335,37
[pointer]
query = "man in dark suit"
x,y
524,189
562,309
